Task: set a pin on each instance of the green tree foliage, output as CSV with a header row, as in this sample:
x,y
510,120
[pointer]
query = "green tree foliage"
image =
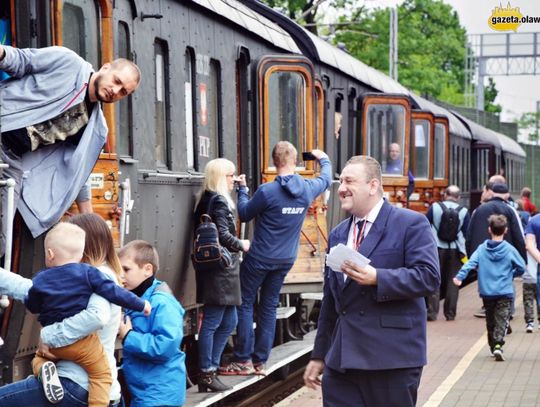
x,y
490,94
431,46
529,123
305,11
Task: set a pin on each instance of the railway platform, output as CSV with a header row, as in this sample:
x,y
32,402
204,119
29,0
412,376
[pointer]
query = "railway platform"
x,y
460,370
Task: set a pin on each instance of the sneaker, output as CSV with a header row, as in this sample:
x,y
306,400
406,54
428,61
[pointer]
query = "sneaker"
x,y
51,383
530,328
480,314
498,353
237,369
260,368
508,329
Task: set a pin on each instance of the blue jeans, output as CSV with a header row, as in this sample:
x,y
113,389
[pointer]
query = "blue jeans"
x,y
218,323
269,278
29,393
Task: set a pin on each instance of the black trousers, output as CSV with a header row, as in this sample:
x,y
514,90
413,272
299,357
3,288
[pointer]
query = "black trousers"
x,y
450,263
371,388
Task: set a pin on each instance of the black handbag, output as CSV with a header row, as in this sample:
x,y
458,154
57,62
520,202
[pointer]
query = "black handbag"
x,y
208,254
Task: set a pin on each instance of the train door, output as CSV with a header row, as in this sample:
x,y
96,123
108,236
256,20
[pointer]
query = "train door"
x,y
482,167
286,96
441,143
421,160
386,126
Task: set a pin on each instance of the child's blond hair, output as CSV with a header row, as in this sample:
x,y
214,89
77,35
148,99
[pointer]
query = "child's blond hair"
x,y
66,241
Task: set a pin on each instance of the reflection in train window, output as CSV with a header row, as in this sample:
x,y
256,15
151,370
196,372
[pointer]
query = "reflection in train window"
x,y
439,154
287,110
124,111
80,27
189,94
386,136
161,66
208,109
421,146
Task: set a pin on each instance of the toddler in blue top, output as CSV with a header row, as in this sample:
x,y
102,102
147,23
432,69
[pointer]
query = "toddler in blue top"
x,y
63,290
497,262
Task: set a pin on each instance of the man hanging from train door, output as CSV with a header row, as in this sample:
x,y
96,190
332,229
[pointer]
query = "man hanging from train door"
x,y
52,126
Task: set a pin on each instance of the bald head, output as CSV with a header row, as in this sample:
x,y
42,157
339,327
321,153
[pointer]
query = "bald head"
x,y
452,193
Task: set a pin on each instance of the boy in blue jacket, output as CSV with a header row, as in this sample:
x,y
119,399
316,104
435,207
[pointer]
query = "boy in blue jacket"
x,y
497,262
153,364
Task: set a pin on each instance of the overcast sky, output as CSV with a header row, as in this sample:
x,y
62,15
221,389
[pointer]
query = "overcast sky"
x,y
517,94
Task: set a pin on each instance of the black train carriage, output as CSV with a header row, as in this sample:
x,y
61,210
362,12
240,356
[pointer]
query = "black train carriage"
x,y
226,79
213,74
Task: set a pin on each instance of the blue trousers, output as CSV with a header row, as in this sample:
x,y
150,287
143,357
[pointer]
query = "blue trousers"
x,y
218,323
371,388
269,278
29,393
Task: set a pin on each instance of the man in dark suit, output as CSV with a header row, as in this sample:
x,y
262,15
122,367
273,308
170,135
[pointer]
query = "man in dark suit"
x,y
371,338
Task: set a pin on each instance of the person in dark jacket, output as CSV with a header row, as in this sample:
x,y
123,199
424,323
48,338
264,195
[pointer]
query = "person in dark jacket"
x,y
478,226
218,290
280,207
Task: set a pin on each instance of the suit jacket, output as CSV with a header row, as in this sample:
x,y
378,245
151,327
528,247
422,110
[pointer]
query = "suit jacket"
x,y
382,326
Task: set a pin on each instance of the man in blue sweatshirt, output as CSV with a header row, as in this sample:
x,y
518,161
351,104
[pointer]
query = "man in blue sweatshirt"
x,y
280,207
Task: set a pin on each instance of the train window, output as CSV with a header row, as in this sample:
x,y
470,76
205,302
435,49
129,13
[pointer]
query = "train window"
x,y
338,124
386,136
124,112
208,109
421,146
189,94
161,67
287,110
318,141
80,29
439,153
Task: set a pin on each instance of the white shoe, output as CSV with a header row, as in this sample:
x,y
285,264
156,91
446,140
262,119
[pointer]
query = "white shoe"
x,y
52,387
530,328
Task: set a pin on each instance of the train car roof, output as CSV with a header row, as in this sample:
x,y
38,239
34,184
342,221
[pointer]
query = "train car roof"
x,y
489,136
252,21
456,126
317,49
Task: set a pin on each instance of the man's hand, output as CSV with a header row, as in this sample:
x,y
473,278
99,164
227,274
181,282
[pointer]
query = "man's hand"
x,y
312,374
457,282
364,276
44,352
147,308
245,245
242,180
319,154
125,327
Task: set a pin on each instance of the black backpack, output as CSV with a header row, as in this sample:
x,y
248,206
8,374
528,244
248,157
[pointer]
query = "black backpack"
x,y
449,226
208,254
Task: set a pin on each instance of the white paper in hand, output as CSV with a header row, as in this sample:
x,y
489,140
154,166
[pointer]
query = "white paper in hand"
x,y
341,253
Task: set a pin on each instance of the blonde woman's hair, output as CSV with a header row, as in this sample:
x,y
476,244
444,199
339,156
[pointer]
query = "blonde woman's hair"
x,y
215,179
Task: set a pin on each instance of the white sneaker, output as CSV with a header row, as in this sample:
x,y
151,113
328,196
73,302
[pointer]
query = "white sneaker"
x,y
530,328
52,386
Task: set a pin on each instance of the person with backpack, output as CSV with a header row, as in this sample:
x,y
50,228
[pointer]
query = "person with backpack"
x,y
449,223
218,286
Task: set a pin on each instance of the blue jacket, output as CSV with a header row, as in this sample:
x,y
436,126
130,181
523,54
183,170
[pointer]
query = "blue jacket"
x,y
154,365
280,208
497,266
45,82
383,326
63,291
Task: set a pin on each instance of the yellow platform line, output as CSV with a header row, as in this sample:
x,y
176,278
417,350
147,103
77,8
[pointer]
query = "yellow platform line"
x,y
444,388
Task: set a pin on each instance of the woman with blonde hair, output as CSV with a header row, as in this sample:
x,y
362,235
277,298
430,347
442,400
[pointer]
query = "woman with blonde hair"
x,y
218,290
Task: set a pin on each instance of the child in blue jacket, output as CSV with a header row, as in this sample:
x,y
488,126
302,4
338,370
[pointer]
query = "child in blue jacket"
x,y
497,262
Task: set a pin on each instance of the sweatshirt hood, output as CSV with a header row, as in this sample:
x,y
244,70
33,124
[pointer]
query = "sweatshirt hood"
x,y
497,252
293,184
